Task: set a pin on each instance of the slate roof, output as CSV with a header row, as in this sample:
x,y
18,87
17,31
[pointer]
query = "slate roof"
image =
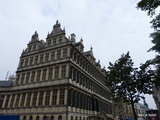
x,y
6,83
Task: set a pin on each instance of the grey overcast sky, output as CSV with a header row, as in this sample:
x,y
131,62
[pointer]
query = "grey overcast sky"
x,y
111,27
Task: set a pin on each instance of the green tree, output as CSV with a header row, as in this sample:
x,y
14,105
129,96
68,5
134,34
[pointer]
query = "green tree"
x,y
127,83
151,6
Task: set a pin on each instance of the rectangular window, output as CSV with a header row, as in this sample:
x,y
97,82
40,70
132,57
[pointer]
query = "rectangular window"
x,y
52,55
28,99
54,41
1,100
61,101
7,101
12,100
31,61
54,97
44,75
41,58
57,72
47,97
17,79
50,73
34,46
58,54
47,57
21,63
32,76
64,53
49,42
60,40
41,98
17,100
63,71
23,99
36,60
26,62
22,78
38,75
27,77
34,99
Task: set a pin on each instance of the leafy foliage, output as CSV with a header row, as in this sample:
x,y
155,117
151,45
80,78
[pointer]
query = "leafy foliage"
x,y
148,5
127,83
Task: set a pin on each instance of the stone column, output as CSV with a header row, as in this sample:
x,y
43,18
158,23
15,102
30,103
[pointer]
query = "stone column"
x,y
9,101
65,96
49,58
35,78
53,76
47,72
51,98
15,98
37,102
20,99
58,96
60,72
44,98
25,101
31,99
67,71
4,101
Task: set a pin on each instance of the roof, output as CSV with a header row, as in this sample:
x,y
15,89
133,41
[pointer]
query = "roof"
x,y
6,83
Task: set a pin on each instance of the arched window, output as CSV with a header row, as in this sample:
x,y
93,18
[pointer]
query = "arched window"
x,y
71,117
37,118
44,117
83,118
30,118
76,118
24,118
52,117
80,118
60,117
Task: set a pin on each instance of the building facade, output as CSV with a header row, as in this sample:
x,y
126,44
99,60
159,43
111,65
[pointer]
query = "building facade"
x,y
57,80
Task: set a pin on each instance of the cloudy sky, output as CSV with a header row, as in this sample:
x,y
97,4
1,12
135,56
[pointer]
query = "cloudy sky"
x,y
111,27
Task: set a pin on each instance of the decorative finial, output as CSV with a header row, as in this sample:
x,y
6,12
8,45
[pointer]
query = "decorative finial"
x,y
57,22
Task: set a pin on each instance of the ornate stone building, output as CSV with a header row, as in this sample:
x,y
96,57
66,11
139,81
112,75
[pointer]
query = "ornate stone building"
x,y
57,80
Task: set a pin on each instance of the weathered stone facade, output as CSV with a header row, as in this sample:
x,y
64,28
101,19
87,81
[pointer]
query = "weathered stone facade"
x,y
57,80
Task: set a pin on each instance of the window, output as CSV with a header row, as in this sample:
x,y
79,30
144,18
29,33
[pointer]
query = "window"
x,y
32,76
47,57
50,73
52,117
60,40
63,71
26,62
52,55
44,75
49,42
54,41
31,61
21,63
57,72
28,99
12,100
54,97
60,117
34,102
17,100
41,58
23,99
22,78
64,53
24,118
27,77
38,75
29,48
17,79
47,98
58,54
36,59
7,100
1,100
34,46
37,118
41,98
61,101
30,118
